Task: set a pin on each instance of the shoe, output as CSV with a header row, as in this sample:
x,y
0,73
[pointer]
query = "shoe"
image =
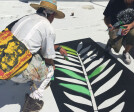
x,y
32,105
126,58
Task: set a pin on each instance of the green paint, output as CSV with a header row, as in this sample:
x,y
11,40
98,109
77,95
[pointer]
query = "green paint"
x,y
71,74
96,71
52,78
68,52
76,88
69,49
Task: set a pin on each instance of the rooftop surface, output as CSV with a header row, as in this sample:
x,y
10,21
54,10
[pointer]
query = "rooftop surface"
x,y
87,22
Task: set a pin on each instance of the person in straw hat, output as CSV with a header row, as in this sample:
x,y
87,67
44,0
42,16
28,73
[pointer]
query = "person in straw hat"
x,y
38,35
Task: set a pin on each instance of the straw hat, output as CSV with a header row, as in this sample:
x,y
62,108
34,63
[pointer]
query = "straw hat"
x,y
51,5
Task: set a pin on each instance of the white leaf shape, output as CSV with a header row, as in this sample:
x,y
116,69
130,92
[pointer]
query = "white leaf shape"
x,y
90,58
94,64
57,52
71,80
118,108
88,54
70,59
69,55
84,50
67,62
111,101
69,68
79,46
103,75
109,84
78,99
74,109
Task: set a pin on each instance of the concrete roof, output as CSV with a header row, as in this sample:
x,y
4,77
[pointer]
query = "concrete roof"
x,y
86,22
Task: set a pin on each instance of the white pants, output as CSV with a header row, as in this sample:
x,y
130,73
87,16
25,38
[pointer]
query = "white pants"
x,y
37,65
38,94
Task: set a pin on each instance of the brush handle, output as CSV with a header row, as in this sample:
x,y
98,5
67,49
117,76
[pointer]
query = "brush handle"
x,y
66,58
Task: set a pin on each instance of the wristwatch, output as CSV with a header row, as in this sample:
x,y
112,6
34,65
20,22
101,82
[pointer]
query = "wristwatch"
x,y
58,48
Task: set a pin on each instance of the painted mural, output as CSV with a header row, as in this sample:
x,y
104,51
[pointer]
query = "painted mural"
x,y
92,80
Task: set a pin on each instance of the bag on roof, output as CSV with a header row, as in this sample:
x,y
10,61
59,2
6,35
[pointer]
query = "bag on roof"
x,y
14,55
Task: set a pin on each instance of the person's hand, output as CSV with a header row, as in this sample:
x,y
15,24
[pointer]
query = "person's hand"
x,y
127,28
54,67
63,52
50,62
110,27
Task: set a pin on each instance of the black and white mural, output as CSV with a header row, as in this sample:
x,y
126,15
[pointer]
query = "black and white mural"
x,y
92,80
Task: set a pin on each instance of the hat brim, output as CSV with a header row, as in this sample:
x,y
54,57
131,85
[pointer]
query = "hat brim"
x,y
58,14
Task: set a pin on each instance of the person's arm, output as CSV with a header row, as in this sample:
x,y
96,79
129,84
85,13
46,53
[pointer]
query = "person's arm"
x,y
56,46
108,12
60,49
132,24
47,46
108,23
50,62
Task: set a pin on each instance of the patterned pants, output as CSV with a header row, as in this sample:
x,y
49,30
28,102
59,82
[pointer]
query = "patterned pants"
x,y
39,73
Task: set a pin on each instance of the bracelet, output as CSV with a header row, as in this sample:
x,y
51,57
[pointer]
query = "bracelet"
x,y
58,48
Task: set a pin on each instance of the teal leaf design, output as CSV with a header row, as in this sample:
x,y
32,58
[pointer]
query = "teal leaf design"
x,y
103,75
69,49
98,70
68,52
71,74
69,68
76,88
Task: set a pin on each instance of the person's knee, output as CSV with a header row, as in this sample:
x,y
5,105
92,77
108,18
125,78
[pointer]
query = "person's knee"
x,y
130,38
131,33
